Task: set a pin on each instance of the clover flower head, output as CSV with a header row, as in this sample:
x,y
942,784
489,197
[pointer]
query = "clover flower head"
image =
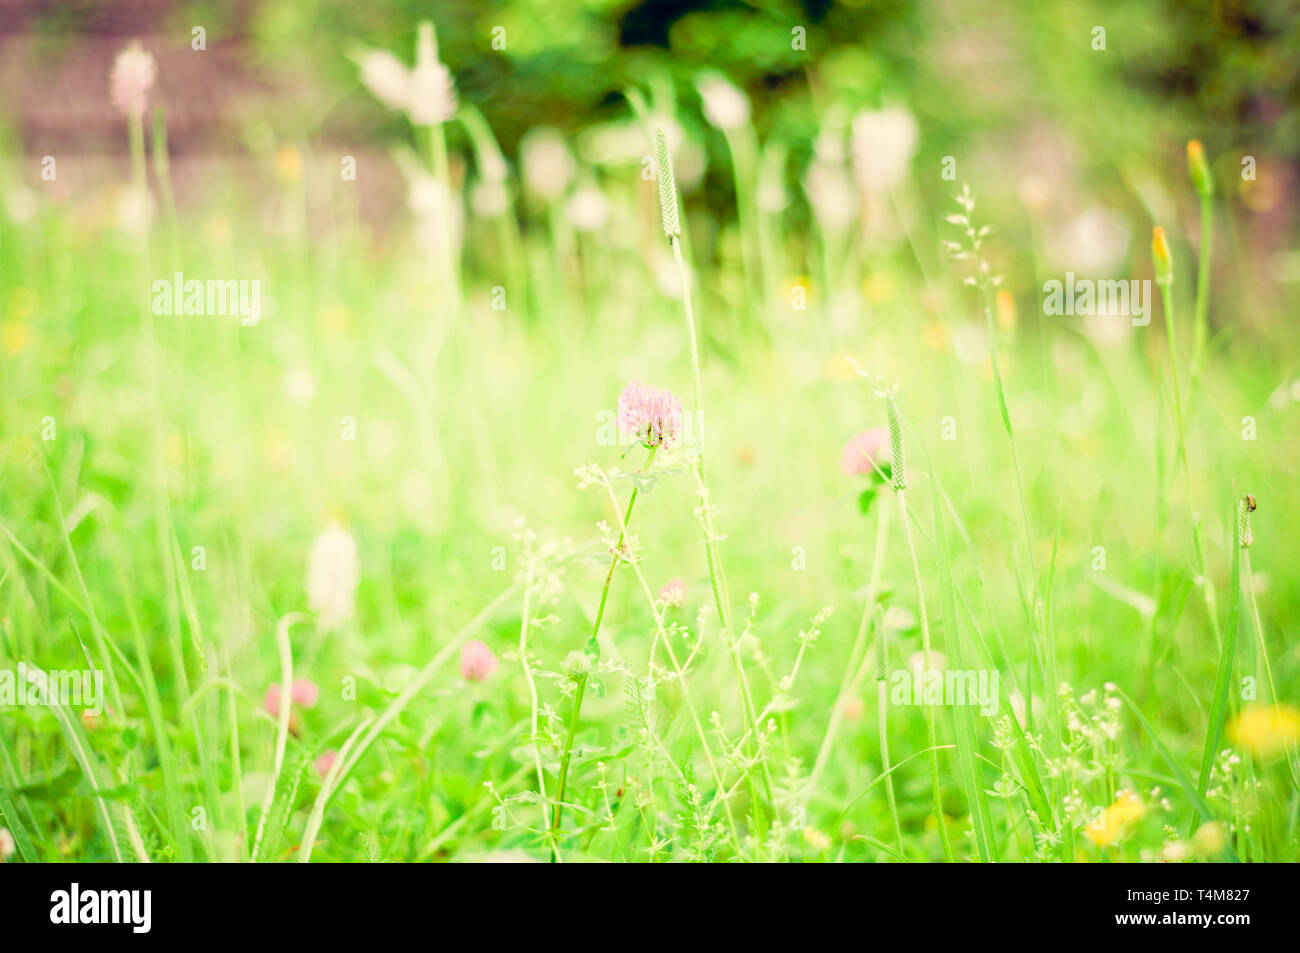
x,y
326,761
303,692
673,593
865,452
477,662
652,415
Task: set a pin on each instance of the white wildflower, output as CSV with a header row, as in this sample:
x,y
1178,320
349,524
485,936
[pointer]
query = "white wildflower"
x,y
333,573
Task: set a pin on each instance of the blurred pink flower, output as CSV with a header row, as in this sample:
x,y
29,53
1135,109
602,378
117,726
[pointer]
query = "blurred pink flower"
x,y
651,415
866,451
673,592
477,662
303,693
326,761
133,74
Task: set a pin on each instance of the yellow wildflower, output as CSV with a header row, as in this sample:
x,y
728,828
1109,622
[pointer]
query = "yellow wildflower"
x,y
288,164
1116,820
816,839
1265,729
1209,840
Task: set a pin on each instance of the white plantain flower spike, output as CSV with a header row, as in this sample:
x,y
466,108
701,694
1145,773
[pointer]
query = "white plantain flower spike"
x,y
134,72
333,572
725,105
433,91
883,144
386,77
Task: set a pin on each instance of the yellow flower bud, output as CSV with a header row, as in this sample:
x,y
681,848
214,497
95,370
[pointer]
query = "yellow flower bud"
x,y
1006,303
1164,263
1202,180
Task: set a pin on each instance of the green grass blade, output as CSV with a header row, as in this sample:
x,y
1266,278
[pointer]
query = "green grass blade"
x,y
972,773
9,816
1175,768
1219,707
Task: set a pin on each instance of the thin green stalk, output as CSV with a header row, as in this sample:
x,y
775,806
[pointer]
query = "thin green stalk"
x,y
898,476
1036,621
282,725
1245,537
661,635
1171,333
882,720
1227,651
574,714
161,501
967,754
1259,625
672,230
1203,182
857,657
524,624
177,821
742,144
930,732
162,172
592,648
236,769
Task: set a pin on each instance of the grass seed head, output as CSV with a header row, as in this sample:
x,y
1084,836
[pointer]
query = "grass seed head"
x,y
1244,534
897,468
667,187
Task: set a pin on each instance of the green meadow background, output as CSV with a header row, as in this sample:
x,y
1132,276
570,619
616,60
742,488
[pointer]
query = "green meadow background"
x,y
428,374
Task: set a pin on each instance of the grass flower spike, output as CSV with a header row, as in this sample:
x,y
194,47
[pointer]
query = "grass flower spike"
x,y
897,466
1245,507
667,187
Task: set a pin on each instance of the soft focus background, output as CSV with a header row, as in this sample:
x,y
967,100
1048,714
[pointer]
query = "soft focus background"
x,y
437,344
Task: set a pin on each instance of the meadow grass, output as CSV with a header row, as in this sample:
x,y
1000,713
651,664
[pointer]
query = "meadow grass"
x,y
445,399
